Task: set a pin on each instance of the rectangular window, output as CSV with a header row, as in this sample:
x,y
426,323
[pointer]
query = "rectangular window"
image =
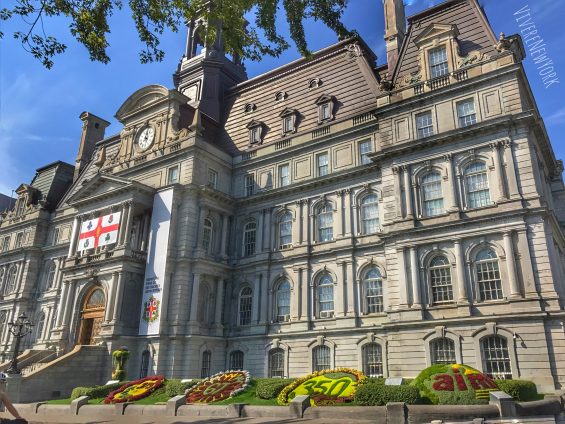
x,y
19,240
212,179
325,111
255,135
249,185
284,175
288,124
365,147
322,164
56,235
6,244
424,124
466,113
438,62
173,175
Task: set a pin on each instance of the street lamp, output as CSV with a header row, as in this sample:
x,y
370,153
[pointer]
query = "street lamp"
x,y
19,329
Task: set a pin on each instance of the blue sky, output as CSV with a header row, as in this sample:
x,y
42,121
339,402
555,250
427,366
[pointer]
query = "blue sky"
x,y
39,108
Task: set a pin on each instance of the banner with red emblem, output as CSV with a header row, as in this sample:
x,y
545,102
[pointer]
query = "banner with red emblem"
x,y
98,232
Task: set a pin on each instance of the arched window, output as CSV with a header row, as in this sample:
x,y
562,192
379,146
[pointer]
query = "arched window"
x,y
39,327
285,230
325,297
51,269
206,362
321,358
325,223
373,286
440,280
432,195
276,363
370,214
488,275
207,233
373,360
96,300
236,360
249,238
245,305
442,351
496,360
476,185
282,299
144,369
10,285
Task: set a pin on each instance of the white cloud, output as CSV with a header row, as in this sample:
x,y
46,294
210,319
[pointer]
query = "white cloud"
x,y
557,118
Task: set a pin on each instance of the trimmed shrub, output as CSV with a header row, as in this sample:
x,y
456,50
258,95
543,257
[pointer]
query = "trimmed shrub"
x,y
174,386
269,388
377,394
520,390
96,391
375,380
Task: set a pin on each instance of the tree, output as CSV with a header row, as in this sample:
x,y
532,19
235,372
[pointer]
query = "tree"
x,y
89,24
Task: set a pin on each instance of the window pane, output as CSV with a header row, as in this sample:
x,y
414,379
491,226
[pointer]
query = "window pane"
x,y
374,291
496,357
212,178
365,147
236,360
466,113
438,62
432,196
372,360
206,359
284,177
476,184
443,351
245,305
424,125
325,297
370,214
285,230
276,363
488,276
440,280
249,237
325,223
249,185
283,302
321,358
322,161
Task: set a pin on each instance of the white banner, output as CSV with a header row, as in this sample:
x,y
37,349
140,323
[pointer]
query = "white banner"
x,y
155,269
99,231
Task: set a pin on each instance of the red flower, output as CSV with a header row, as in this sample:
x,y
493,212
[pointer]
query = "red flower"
x,y
444,382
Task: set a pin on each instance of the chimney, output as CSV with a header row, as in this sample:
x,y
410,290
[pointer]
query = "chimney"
x,y
395,30
93,129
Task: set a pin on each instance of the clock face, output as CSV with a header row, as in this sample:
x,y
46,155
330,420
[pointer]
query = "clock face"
x,y
145,138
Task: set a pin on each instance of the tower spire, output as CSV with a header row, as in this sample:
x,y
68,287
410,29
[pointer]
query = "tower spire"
x,y
395,30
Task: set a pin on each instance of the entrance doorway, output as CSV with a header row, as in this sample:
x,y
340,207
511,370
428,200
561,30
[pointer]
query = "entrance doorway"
x,y
92,316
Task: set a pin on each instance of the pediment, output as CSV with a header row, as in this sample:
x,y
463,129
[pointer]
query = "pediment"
x,y
254,124
104,186
146,97
288,111
324,98
433,31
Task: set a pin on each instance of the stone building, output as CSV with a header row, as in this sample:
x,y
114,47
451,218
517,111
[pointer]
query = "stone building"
x,y
331,212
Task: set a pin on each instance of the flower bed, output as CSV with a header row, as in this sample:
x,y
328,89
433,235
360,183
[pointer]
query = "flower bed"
x,y
326,387
135,390
218,387
454,384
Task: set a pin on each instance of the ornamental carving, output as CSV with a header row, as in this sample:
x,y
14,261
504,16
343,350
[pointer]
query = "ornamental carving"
x,y
353,51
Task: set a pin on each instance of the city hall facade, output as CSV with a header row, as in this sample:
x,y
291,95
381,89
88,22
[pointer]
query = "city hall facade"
x,y
328,213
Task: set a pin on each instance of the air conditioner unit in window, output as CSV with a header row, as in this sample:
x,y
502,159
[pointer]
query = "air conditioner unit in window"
x,y
283,318
326,314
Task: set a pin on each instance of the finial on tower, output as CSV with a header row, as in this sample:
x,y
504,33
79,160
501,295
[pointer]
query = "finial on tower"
x,y
395,30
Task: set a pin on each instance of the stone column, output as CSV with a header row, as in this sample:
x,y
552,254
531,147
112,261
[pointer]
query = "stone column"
x,y
398,190
119,296
339,291
350,279
266,299
219,301
348,212
145,236
123,221
127,229
268,230
511,265
255,300
407,192
304,293
402,284
526,263
340,213
259,242
223,245
109,313
453,205
511,169
47,325
69,303
295,298
20,276
198,229
194,299
63,302
74,236
498,171
417,302
295,226
460,271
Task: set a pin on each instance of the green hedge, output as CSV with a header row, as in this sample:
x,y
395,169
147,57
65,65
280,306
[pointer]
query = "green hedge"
x,y
269,388
521,390
96,392
174,387
377,394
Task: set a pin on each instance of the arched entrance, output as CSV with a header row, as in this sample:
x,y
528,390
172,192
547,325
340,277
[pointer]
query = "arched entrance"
x,y
92,316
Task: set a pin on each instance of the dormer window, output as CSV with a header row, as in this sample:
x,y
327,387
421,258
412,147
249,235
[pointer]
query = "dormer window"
x,y
325,108
280,96
288,121
249,107
438,62
255,132
314,83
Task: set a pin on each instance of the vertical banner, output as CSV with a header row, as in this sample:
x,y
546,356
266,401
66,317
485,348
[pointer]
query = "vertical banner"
x,y
156,263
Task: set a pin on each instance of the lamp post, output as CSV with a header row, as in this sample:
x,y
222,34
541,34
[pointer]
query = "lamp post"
x,y
19,329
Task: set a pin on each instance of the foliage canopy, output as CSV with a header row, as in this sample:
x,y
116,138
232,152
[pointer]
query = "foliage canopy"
x,y
89,24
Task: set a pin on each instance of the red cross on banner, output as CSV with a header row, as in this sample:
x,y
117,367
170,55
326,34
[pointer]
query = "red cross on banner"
x,y
99,231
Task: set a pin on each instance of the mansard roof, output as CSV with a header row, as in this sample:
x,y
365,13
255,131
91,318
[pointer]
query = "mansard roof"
x,y
465,16
345,70
149,95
